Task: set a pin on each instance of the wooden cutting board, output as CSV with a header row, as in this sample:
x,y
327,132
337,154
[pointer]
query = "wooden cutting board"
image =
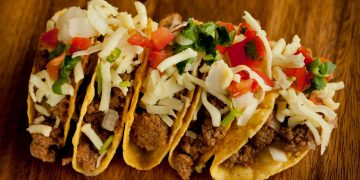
x,y
331,28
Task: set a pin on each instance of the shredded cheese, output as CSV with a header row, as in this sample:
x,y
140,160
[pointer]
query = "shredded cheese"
x,y
179,57
91,134
44,130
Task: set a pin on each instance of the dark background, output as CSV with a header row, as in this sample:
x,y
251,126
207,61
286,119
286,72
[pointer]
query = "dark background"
x,y
330,28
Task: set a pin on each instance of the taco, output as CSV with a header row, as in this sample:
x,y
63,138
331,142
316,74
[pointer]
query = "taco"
x,y
236,85
103,112
303,118
161,98
60,66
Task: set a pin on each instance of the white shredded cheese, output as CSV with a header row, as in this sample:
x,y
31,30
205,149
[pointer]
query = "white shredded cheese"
x,y
281,79
91,134
167,120
179,57
160,110
126,20
100,158
90,50
253,75
57,123
171,102
290,61
142,16
213,111
291,48
243,101
81,27
111,42
219,77
279,47
44,130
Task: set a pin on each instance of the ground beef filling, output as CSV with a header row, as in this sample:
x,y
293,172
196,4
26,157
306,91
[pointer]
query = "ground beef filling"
x,y
45,148
290,139
149,132
87,154
207,136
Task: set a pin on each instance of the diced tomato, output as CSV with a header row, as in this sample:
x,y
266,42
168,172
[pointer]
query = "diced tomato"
x,y
254,86
221,49
244,75
161,37
138,40
303,78
266,79
78,44
229,27
49,39
306,53
237,55
155,58
238,89
53,66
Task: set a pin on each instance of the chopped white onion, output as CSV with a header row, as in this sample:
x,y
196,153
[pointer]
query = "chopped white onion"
x,y
42,110
278,155
91,134
57,123
67,89
243,101
219,77
110,119
191,134
100,158
39,120
44,130
81,27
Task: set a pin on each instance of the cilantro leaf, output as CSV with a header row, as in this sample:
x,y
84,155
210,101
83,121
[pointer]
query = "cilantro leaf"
x,y
327,68
60,48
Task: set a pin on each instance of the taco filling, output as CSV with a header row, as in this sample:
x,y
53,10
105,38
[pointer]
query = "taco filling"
x,y
57,73
235,69
112,86
304,114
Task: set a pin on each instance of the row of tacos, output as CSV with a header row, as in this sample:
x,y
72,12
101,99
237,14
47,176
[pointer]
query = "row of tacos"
x,y
193,90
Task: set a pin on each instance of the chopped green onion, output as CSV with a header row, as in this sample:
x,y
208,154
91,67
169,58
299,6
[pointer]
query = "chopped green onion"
x,y
66,68
230,117
99,80
114,55
125,83
60,48
106,144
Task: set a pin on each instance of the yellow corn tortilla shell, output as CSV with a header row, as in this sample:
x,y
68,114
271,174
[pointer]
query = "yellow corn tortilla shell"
x,y
135,156
31,109
264,165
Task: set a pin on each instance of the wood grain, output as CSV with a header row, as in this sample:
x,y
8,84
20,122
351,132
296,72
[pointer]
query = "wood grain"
x,y
331,28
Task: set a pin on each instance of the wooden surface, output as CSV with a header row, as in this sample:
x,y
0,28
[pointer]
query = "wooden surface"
x,y
331,28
